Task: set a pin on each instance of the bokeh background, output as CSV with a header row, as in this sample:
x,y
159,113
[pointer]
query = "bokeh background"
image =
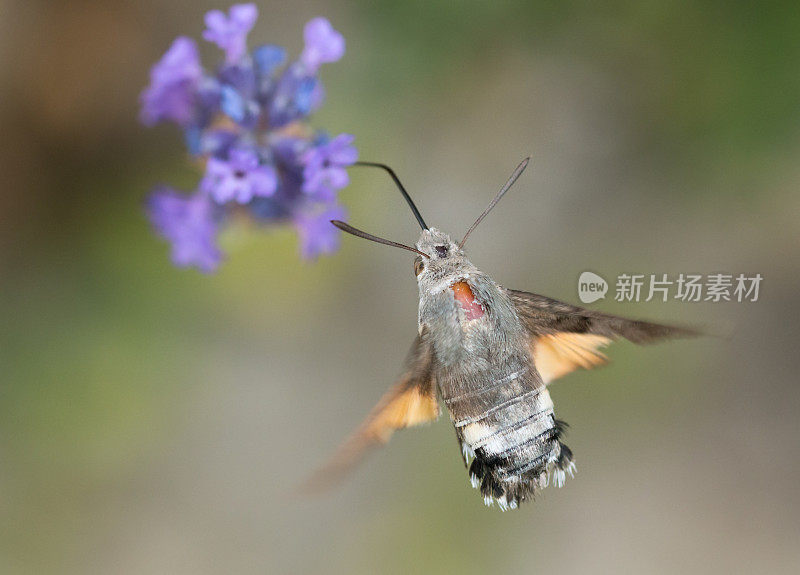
x,y
155,420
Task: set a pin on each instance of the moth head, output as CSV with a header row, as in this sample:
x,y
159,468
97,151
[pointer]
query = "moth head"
x,y
443,254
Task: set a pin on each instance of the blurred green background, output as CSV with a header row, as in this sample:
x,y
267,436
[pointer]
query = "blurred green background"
x,y
154,420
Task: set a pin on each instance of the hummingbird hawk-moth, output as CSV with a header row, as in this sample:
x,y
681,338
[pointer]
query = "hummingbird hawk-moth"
x,y
489,352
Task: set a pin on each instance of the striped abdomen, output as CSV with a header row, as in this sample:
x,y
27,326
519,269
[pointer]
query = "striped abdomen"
x,y
507,424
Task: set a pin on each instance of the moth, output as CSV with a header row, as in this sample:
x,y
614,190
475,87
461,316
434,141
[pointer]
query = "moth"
x,y
489,353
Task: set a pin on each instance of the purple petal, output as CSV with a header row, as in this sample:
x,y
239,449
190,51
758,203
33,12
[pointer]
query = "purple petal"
x,y
242,191
244,15
241,177
317,234
342,151
230,32
322,44
264,181
243,159
335,177
318,188
215,20
172,93
215,169
187,222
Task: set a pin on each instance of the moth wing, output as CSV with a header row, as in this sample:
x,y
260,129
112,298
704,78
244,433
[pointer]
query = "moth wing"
x,y
411,401
565,337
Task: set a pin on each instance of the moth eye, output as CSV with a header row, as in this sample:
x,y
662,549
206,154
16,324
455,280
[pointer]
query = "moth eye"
x,y
441,251
418,266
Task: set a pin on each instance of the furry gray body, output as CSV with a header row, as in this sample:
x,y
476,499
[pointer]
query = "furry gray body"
x,y
499,406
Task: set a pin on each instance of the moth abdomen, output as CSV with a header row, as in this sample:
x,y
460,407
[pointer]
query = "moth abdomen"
x,y
515,443
510,481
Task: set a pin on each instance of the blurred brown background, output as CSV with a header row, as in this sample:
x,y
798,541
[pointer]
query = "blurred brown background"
x,y
154,420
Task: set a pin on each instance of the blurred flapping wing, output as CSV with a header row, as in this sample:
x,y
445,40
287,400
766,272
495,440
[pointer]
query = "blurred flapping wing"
x,y
565,337
411,401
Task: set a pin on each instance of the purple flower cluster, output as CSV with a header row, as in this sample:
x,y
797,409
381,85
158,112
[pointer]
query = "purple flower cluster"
x,y
248,122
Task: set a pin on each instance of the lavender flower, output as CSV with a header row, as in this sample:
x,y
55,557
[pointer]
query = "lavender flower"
x,y
188,223
241,178
230,32
297,94
325,172
249,122
174,80
317,235
323,44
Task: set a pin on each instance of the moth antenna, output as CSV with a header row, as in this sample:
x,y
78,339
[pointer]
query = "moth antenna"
x,y
356,232
402,189
510,182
